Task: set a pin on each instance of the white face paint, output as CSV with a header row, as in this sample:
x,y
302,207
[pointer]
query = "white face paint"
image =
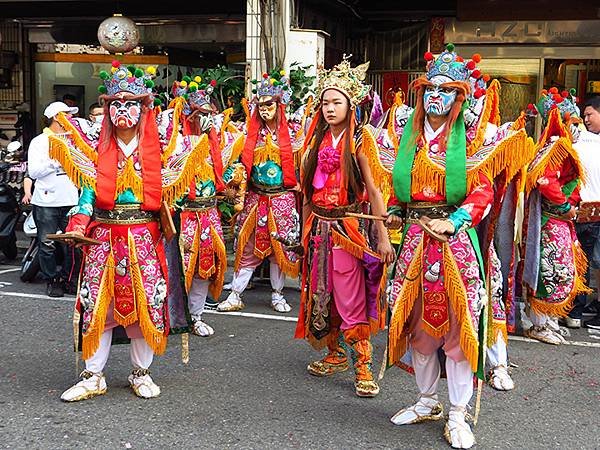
x,y
438,100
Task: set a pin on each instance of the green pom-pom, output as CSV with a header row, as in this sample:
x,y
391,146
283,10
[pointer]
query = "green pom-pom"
x,y
104,75
149,84
138,73
286,87
187,79
192,89
254,81
186,96
131,68
254,91
573,91
157,101
102,89
450,47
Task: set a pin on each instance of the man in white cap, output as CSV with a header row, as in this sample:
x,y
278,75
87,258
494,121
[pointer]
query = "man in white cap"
x,y
53,197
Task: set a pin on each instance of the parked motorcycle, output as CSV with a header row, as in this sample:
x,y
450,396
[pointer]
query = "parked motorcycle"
x,y
9,214
30,264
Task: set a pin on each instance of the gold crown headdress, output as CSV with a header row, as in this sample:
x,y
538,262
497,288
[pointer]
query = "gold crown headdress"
x,y
349,81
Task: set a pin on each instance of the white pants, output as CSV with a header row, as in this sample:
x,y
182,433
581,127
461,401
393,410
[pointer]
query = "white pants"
x,y
497,354
197,296
460,377
539,320
140,353
242,277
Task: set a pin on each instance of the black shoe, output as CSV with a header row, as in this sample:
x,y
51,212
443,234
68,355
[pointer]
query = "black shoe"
x,y
55,289
591,309
593,323
211,304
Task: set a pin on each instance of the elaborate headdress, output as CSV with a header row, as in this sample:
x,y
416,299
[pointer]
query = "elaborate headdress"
x,y
565,102
196,93
274,84
130,79
348,80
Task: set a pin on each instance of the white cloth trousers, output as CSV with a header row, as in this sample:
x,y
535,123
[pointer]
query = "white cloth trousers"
x,y
427,372
140,353
497,354
197,296
241,279
539,320
277,276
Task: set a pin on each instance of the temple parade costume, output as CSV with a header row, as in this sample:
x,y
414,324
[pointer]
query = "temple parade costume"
x,y
443,183
555,264
200,243
343,276
123,179
270,203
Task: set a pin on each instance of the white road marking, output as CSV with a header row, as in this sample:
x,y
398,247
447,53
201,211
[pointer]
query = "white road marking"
x,y
270,317
14,269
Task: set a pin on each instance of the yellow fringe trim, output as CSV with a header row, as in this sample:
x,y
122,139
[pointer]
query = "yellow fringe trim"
x,y
497,331
348,245
554,158
224,125
457,295
490,108
267,152
519,124
291,269
195,160
59,150
129,179
216,287
563,308
157,340
238,147
246,232
381,176
91,339
177,104
398,339
391,125
426,174
80,143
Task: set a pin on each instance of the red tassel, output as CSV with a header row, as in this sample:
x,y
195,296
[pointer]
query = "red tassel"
x,y
285,149
217,159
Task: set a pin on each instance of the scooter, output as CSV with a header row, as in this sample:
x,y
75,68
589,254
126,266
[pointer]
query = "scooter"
x,y
9,215
30,264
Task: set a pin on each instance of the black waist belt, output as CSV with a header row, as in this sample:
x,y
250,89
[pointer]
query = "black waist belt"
x,y
125,215
432,210
200,204
339,212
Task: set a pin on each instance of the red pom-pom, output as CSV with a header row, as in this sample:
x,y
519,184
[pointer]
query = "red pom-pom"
x,y
428,56
530,106
116,63
486,78
213,83
564,94
476,73
265,75
476,57
553,106
460,59
479,93
557,98
471,65
553,90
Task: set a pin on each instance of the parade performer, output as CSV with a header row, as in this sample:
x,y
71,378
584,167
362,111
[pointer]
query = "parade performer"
x,y
443,183
201,244
123,281
270,205
555,264
343,272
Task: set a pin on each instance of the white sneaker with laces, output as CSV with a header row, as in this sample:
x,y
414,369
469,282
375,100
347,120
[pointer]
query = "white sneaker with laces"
x,y
201,328
91,385
233,302
426,408
142,384
500,379
278,303
458,432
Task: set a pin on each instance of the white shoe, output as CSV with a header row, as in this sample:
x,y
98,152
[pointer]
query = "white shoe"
x,y
426,408
544,334
142,384
91,385
201,328
569,322
279,304
233,302
458,432
500,379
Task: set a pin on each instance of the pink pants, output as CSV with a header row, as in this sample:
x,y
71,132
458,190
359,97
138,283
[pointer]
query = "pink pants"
x,y
426,344
133,331
249,260
348,282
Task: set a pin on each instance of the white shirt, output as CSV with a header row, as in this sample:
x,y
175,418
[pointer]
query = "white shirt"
x,y
430,134
128,149
588,148
53,188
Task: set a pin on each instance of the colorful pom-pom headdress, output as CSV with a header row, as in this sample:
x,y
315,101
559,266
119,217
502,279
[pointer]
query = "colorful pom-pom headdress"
x,y
130,79
345,79
196,92
275,84
565,102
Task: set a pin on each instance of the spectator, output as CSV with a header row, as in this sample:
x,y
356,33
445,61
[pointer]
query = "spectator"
x,y
591,115
52,198
96,112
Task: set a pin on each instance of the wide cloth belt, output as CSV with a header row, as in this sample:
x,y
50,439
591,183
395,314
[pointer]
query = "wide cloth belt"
x,y
417,210
125,215
336,213
268,190
200,204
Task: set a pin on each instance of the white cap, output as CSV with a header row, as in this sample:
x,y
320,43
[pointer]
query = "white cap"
x,y
55,107
13,146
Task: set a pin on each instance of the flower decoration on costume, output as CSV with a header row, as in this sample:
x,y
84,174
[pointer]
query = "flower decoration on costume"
x,y
275,84
196,91
346,79
565,101
130,79
329,159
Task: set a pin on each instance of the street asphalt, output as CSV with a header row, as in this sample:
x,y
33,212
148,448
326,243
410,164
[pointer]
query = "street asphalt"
x,y
247,388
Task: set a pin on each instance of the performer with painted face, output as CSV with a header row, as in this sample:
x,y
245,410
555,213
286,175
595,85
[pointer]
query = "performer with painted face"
x,y
443,184
123,281
343,269
190,119
270,205
555,264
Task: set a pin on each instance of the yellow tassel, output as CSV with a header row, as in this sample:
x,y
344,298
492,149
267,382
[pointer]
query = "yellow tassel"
x,y
457,295
238,147
129,179
267,152
411,289
177,104
490,108
246,232
91,339
157,340
497,331
427,175
381,176
291,269
520,123
216,286
59,150
79,142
